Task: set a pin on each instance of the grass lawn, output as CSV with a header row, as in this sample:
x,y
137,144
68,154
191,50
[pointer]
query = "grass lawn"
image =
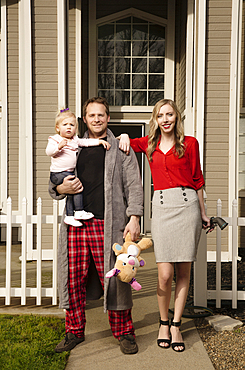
x,y
28,342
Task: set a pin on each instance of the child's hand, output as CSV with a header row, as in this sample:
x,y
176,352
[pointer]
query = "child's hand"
x,y
62,144
105,144
124,143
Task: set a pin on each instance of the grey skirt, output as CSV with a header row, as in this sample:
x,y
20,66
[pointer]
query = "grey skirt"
x,y
176,224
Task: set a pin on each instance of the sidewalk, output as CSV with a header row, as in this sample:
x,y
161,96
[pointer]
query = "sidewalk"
x,y
101,350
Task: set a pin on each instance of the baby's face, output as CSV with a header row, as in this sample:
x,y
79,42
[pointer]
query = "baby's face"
x,y
67,128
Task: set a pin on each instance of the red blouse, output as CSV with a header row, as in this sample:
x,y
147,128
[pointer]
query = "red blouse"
x,y
169,171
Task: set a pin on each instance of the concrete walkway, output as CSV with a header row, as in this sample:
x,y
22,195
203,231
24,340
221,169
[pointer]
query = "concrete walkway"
x,y
101,350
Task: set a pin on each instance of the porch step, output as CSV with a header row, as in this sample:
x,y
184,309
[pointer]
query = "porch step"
x,y
221,322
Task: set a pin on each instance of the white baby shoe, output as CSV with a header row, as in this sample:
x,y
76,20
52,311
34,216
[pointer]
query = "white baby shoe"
x,y
70,220
83,215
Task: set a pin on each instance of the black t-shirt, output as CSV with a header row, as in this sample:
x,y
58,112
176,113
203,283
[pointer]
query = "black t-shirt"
x,y
90,171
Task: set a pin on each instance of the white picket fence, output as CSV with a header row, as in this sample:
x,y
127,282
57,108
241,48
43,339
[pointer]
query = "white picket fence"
x,y
11,220
201,293
23,220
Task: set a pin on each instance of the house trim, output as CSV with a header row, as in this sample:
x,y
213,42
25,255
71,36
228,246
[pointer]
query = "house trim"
x,y
25,106
78,59
234,108
4,104
170,48
200,15
190,47
62,64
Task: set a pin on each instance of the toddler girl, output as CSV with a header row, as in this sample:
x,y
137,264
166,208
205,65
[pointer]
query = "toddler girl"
x,y
62,148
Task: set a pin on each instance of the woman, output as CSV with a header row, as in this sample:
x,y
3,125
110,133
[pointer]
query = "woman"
x,y
177,210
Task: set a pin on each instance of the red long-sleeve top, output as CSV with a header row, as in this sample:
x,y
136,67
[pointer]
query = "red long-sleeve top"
x,y
170,171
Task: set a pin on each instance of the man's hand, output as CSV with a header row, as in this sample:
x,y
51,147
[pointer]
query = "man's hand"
x,y
71,185
133,227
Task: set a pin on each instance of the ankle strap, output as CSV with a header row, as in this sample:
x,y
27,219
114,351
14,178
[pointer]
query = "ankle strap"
x,y
164,322
175,323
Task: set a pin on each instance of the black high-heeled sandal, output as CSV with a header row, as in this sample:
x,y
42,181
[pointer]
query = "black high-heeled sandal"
x,y
177,344
167,341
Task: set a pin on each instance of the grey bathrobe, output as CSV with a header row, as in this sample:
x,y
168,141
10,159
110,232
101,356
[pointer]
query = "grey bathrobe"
x,y
123,198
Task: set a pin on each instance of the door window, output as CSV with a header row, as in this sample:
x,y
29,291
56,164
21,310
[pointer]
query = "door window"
x,y
131,62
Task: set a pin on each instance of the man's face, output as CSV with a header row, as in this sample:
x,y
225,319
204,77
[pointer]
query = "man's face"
x,y
96,120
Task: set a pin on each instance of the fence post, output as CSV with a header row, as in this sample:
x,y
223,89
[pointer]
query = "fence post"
x,y
8,251
24,251
39,251
234,253
55,248
218,258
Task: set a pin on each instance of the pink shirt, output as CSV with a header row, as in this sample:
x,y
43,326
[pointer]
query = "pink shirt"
x,y
169,171
65,159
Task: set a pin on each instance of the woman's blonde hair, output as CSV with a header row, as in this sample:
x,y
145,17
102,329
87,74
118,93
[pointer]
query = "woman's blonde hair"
x,y
61,115
155,132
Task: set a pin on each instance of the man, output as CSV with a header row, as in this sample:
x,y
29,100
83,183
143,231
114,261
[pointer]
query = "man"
x,y
113,193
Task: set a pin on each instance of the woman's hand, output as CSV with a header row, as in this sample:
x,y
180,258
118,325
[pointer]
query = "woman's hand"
x,y
205,222
71,185
124,143
205,219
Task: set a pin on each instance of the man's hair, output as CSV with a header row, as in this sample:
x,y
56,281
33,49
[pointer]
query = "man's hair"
x,y
98,100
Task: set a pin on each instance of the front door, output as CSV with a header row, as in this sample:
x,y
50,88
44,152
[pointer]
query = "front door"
x,y
131,64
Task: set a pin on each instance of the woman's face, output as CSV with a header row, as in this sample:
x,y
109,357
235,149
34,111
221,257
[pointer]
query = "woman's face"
x,y
166,119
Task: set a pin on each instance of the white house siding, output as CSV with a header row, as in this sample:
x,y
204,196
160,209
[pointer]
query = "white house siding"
x,y
45,98
13,101
216,147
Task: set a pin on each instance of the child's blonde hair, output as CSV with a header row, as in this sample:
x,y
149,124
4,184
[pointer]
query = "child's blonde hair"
x,y
61,115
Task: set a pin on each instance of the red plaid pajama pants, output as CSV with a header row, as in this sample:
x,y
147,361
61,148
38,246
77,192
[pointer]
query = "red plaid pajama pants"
x,y
84,243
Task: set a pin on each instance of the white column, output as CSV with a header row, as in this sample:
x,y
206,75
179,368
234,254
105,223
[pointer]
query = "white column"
x,y
25,105
200,73
62,62
170,51
190,47
78,59
92,83
25,114
234,108
4,118
61,24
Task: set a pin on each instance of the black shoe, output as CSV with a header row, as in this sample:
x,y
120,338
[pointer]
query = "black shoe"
x,y
128,344
68,343
167,341
177,344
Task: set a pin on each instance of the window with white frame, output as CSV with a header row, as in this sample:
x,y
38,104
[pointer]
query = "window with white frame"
x,y
131,62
